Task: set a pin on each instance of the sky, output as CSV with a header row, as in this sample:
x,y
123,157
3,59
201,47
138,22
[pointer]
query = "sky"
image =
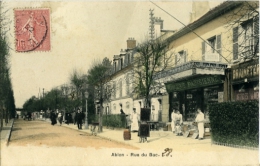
x,y
80,32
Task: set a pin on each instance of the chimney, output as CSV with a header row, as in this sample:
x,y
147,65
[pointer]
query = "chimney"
x,y
199,8
131,43
158,26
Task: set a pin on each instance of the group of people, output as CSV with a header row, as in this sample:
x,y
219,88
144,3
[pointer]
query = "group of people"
x,y
177,122
77,117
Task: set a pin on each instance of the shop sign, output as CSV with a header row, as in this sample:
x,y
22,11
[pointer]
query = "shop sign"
x,y
247,70
194,83
242,96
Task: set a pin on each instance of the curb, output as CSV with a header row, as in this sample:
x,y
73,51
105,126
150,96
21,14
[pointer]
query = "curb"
x,y
8,136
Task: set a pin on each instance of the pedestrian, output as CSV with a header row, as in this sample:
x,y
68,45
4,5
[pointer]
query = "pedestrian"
x,y
53,118
134,119
178,123
200,121
123,118
78,118
173,120
73,117
60,117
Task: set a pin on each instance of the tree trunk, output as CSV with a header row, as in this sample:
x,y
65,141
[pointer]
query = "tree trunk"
x,y
2,117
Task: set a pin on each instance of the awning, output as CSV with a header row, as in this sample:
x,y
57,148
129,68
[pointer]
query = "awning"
x,y
194,82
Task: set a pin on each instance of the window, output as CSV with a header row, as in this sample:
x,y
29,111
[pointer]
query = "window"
x,y
114,107
244,39
114,66
210,48
180,57
120,88
127,84
114,89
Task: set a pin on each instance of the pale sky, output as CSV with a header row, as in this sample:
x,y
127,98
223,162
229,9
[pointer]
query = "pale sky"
x,y
82,31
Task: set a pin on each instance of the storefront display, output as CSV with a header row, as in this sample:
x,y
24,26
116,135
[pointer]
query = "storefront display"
x,y
245,80
197,92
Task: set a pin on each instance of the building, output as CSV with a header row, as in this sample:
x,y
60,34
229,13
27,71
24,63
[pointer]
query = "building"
x,y
204,51
215,60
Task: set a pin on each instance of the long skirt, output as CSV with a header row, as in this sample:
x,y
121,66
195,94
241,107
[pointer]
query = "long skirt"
x,y
173,126
135,126
53,121
201,129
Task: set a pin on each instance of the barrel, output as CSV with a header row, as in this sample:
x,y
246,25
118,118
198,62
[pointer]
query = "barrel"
x,y
127,135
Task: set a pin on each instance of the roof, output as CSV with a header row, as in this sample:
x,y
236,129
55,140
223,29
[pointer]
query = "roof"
x,y
210,15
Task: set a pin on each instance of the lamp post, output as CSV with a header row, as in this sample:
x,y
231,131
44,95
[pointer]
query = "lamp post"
x,y
86,117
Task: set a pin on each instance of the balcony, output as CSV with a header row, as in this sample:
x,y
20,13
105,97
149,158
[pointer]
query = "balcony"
x,y
199,66
211,57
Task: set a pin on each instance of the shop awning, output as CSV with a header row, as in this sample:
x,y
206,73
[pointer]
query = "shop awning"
x,y
194,82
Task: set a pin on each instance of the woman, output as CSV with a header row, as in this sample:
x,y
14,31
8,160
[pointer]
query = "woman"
x,y
134,124
60,117
178,123
53,118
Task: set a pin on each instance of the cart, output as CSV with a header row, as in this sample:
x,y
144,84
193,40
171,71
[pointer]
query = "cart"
x,y
144,127
94,128
143,132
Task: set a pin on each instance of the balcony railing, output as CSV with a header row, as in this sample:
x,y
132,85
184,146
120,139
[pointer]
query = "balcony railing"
x,y
190,65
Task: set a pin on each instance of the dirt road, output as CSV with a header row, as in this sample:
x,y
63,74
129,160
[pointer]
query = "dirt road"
x,y
38,133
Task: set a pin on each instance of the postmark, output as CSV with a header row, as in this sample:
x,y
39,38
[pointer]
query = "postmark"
x,y
32,29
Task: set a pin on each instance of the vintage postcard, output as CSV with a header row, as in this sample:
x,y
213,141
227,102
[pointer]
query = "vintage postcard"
x,y
129,83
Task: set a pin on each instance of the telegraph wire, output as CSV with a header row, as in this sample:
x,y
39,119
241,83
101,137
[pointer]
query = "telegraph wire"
x,y
190,30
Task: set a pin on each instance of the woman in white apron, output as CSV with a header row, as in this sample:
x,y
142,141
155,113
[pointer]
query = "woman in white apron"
x,y
134,119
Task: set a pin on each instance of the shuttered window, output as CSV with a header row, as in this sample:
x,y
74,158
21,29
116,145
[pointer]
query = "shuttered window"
x,y
203,50
256,35
219,47
235,43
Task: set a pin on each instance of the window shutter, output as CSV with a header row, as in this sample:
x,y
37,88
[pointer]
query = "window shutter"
x,y
219,47
185,56
256,35
203,51
235,44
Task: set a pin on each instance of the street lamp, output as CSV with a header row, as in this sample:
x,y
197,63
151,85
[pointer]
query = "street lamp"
x,y
86,117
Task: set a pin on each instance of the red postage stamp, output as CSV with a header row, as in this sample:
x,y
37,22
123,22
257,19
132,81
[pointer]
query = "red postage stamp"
x,y
32,29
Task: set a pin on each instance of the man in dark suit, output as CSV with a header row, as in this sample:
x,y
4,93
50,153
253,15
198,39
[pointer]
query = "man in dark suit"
x,y
78,118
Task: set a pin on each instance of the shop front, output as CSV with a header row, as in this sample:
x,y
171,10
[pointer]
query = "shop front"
x,y
194,92
245,81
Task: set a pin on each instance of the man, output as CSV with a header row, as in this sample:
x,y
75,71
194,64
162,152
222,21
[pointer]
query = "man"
x,y
78,118
173,120
178,123
200,121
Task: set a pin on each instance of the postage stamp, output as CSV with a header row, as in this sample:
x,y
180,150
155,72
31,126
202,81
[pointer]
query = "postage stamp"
x,y
32,29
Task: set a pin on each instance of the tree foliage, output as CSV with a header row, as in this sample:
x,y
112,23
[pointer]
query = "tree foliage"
x,y
98,78
152,57
244,23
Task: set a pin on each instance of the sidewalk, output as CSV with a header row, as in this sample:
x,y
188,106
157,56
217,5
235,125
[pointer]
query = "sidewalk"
x,y
6,133
159,140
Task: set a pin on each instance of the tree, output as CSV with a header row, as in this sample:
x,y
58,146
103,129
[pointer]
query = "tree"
x,y
99,77
7,102
78,81
244,23
152,57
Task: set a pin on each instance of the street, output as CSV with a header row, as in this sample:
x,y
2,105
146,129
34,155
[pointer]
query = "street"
x,y
37,133
37,142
